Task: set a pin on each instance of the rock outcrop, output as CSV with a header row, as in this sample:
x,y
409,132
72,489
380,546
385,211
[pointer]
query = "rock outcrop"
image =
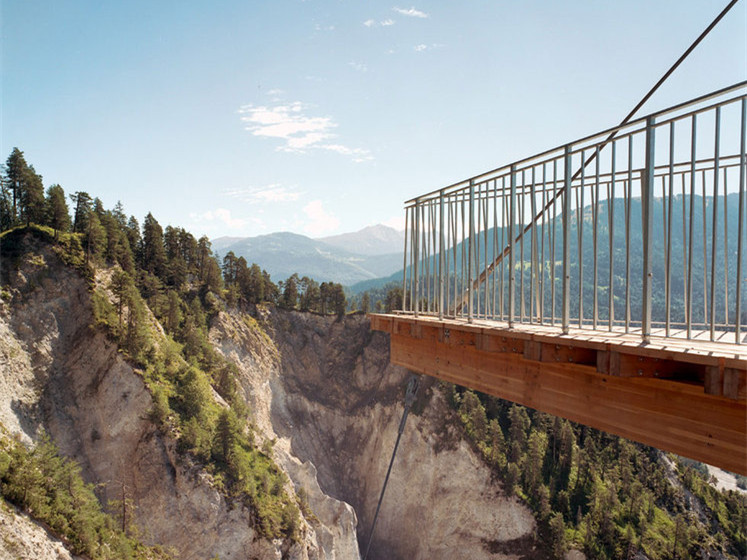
x,y
324,387
64,377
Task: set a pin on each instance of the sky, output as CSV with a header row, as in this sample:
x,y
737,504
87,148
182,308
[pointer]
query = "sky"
x,y
241,118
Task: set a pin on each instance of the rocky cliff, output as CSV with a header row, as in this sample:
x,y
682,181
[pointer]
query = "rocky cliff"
x,y
325,389
320,388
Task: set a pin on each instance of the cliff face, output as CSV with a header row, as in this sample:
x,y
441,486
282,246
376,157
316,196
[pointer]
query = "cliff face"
x,y
60,375
330,396
321,388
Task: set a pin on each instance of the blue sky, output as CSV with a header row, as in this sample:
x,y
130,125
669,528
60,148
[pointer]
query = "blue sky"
x,y
322,116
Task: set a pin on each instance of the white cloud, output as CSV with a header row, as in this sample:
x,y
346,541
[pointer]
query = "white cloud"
x,y
219,216
298,131
383,23
411,12
359,155
273,193
320,220
359,66
422,48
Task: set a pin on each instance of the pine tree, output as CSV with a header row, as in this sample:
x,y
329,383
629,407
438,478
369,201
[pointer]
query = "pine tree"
x,y
154,253
58,215
32,198
16,174
82,209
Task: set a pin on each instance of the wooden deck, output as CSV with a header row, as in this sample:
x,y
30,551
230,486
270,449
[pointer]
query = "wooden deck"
x,y
680,395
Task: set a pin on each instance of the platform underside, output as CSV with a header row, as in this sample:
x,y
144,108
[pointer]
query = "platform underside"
x,y
679,395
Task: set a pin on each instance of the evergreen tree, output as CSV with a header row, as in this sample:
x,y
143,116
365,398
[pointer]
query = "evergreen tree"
x,y
32,198
154,253
58,215
290,292
95,239
82,210
132,231
365,302
6,205
16,175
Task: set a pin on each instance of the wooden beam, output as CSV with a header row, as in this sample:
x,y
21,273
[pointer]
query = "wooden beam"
x,y
671,415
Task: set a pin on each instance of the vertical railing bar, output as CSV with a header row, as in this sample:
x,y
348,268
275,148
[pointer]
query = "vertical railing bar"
x,y
521,204
684,247
647,210
441,256
431,264
691,240
705,250
554,236
485,248
611,219
595,226
628,190
544,227
434,247
470,257
416,295
426,257
463,255
669,245
580,232
511,258
495,241
566,241
714,225
740,228
726,251
533,249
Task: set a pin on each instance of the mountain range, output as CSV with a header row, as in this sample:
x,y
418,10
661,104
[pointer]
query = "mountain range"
x,y
373,252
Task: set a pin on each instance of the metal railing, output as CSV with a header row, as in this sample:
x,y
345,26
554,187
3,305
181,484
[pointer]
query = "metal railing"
x,y
638,228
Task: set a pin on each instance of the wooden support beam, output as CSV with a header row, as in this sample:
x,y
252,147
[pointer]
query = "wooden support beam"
x,y
706,421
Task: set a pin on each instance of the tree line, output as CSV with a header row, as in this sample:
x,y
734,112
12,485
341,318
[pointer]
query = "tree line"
x,y
157,259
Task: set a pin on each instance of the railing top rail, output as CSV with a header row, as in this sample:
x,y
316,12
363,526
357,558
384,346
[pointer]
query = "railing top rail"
x,y
613,130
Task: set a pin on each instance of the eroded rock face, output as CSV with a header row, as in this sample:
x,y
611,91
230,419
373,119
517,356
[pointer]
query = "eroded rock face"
x,y
69,380
332,398
22,539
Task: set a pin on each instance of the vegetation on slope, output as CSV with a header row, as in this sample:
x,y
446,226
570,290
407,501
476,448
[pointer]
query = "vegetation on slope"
x,y
601,493
174,278
51,490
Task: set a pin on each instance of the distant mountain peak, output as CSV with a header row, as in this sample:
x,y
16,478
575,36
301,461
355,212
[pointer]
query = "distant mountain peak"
x,y
371,240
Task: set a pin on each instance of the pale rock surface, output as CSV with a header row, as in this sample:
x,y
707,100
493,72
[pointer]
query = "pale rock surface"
x,y
23,539
335,402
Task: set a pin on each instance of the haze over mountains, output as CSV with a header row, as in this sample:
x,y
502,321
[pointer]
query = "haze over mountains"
x,y
373,252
